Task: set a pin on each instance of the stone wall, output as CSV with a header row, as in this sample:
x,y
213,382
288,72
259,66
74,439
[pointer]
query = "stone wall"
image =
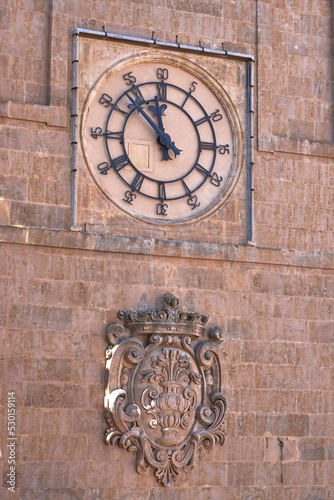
x,y
62,285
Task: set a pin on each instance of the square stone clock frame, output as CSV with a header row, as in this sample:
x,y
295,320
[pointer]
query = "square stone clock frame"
x,y
93,53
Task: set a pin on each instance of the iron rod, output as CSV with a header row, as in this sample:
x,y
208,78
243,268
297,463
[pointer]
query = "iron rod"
x,y
74,129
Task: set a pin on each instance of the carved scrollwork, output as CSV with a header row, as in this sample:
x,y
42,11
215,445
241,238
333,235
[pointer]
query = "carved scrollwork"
x,y
217,335
163,392
114,332
148,397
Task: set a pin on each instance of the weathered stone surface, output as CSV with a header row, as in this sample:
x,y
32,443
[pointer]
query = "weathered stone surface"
x,y
61,286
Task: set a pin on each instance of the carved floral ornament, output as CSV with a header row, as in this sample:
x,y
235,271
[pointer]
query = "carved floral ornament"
x,y
163,394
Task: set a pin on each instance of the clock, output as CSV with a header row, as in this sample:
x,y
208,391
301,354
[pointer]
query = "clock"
x,y
162,139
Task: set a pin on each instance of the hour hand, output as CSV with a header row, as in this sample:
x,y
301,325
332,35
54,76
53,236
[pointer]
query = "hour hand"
x,y
164,150
164,140
158,111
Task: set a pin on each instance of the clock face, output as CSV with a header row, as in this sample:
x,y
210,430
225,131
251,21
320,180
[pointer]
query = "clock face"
x,y
162,139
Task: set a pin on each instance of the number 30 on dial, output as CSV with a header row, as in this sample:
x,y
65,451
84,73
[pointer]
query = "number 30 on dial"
x,y
162,139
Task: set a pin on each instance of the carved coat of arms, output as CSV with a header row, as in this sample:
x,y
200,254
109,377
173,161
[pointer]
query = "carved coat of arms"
x,y
163,394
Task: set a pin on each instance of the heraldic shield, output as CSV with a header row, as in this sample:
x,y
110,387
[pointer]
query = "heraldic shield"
x,y
163,395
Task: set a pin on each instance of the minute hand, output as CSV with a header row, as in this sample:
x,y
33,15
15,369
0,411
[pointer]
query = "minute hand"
x,y
164,138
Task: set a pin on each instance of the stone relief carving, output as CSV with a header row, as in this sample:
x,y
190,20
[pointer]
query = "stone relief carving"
x,y
163,396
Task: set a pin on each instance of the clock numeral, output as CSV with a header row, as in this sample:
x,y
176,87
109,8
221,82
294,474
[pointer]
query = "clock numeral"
x,y
192,87
129,78
105,100
96,133
202,120
114,135
224,149
216,179
191,90
129,197
193,202
120,162
162,73
202,170
186,188
139,98
162,208
104,167
210,146
109,135
125,113
162,191
137,182
215,117
162,91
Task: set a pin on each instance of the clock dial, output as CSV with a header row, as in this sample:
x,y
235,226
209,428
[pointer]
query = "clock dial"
x,y
162,139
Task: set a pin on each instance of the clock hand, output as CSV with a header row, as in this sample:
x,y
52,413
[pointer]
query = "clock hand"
x,y
158,111
164,138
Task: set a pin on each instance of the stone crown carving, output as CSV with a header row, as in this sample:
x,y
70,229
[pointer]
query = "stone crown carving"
x,y
171,319
163,394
